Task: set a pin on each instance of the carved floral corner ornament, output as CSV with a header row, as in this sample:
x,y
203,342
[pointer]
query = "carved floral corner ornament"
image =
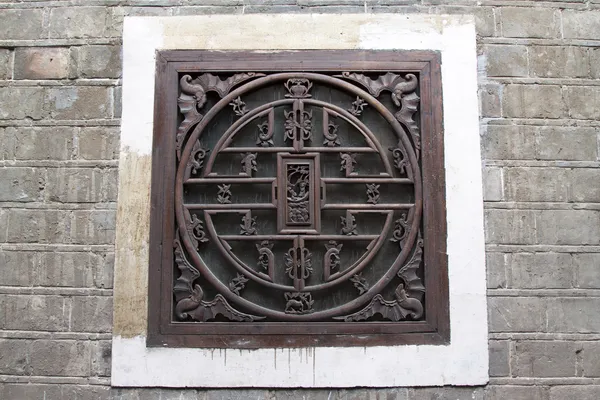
x,y
290,204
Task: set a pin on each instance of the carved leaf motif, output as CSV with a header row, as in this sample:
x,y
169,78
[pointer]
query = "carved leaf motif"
x,y
224,194
349,224
248,225
360,283
375,87
238,283
188,273
401,162
222,87
372,193
408,272
219,306
358,106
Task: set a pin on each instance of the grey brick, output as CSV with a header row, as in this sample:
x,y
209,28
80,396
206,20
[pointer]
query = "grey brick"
x,y
536,184
508,142
582,187
581,25
5,64
42,63
101,357
13,356
99,61
594,54
566,143
4,223
101,143
574,315
588,270
21,102
556,61
78,102
17,268
490,96
574,227
30,391
70,269
493,185
60,358
12,26
499,358
535,22
33,312
42,143
85,392
240,394
516,314
510,226
583,101
524,101
515,393
370,394
81,185
506,60
37,226
541,270
588,392
91,314
117,102
21,184
590,362
447,393
545,359
78,22
496,270
93,227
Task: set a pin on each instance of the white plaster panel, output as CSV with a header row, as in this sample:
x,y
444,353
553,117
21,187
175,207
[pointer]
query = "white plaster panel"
x,y
465,360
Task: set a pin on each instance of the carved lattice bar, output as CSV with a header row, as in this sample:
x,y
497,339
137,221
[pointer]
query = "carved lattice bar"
x,y
298,207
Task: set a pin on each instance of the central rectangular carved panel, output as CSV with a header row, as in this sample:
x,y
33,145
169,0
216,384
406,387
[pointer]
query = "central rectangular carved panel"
x,y
300,201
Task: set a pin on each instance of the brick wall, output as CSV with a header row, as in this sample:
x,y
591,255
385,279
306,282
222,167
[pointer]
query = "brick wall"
x,y
59,133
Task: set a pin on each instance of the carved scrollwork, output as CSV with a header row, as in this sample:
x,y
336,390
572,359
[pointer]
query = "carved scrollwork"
x,y
298,303
195,228
238,284
224,194
248,225
196,161
347,164
249,164
401,229
349,224
239,107
331,135
408,273
266,258
372,193
298,88
401,161
265,131
331,260
188,273
358,106
360,283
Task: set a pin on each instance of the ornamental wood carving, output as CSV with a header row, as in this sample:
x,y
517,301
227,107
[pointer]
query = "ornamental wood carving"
x,y
298,202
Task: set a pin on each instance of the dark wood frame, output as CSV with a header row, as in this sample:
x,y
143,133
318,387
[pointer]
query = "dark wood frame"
x,y
163,332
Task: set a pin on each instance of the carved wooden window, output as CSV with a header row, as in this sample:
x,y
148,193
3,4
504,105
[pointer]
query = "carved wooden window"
x,y
298,200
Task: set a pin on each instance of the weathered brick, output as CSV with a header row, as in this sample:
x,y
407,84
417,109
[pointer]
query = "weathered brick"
x,y
581,25
588,270
556,61
510,226
508,142
503,392
29,391
21,102
42,63
93,227
587,392
13,356
485,23
590,362
34,312
499,358
71,269
100,143
574,227
566,143
370,394
91,314
99,61
81,185
86,392
545,359
516,314
78,102
41,143
3,222
101,357
594,54
573,315
78,22
490,96
17,268
583,101
524,101
21,184
535,22
60,358
37,226
506,60
449,392
496,270
258,394
12,24
5,64
581,189
493,185
536,184
541,270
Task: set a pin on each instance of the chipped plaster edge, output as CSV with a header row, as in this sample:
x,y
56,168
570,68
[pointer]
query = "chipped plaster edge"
x,y
463,362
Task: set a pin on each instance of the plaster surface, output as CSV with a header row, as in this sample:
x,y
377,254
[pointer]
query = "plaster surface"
x,y
463,362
